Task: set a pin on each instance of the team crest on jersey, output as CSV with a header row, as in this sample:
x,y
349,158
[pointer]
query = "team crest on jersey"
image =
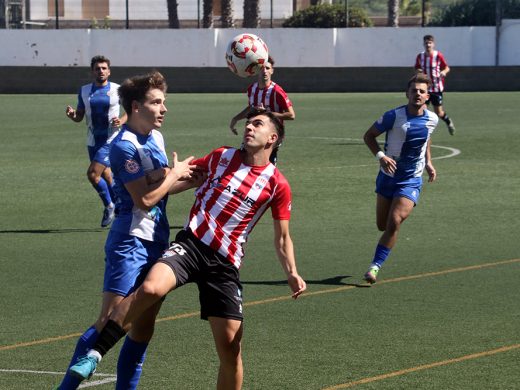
x,y
260,182
224,162
131,166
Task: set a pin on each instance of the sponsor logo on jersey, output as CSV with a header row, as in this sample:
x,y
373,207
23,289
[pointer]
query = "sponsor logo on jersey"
x,y
131,166
224,162
239,194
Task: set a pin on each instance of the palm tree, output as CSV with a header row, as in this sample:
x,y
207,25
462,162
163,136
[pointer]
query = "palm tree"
x,y
251,14
227,14
207,14
393,13
173,16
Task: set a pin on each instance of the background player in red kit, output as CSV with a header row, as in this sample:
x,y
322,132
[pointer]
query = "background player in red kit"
x,y
241,185
433,63
268,95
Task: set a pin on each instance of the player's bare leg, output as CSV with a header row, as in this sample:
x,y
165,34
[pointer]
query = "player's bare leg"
x,y
228,334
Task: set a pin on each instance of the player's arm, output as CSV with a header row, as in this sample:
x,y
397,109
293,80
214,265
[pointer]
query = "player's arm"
x,y
432,173
288,115
119,121
285,252
387,163
75,115
241,115
145,195
445,71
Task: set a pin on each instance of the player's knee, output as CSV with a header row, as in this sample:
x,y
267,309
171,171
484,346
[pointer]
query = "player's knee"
x,y
92,176
151,291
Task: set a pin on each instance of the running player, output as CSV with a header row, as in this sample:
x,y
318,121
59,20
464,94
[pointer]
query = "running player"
x,y
433,63
240,185
407,153
99,104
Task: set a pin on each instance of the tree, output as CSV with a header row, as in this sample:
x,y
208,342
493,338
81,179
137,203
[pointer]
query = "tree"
x,y
251,14
393,13
173,15
328,16
476,13
207,14
227,14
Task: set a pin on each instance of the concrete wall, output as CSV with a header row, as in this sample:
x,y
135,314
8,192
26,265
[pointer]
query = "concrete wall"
x,y
51,61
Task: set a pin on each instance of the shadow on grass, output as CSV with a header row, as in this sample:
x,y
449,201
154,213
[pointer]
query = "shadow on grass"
x,y
332,281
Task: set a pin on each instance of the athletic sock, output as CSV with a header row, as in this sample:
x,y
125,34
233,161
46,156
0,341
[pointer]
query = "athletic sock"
x,y
108,337
112,192
130,364
103,192
382,253
85,342
446,118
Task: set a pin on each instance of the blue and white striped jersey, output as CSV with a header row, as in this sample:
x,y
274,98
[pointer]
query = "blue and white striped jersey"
x,y
131,157
100,104
406,139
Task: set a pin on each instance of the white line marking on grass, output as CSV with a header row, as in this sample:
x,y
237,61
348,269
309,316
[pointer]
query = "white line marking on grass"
x,y
109,378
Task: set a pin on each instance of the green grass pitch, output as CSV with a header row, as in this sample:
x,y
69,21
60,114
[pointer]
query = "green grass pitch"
x,y
445,314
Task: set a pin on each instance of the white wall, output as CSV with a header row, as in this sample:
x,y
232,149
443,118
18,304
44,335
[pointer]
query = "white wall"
x,y
368,47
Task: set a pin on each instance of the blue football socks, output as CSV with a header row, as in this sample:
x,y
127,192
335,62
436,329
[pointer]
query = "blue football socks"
x,y
382,253
130,364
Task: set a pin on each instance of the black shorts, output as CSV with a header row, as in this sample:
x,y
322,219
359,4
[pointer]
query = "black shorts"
x,y
220,291
435,99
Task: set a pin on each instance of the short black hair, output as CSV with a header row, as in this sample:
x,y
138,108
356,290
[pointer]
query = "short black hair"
x,y
428,37
97,59
280,129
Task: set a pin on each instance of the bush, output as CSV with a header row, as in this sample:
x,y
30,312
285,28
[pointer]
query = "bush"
x,y
327,16
476,13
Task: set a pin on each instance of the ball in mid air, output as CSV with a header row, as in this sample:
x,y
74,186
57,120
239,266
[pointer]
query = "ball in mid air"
x,y
246,54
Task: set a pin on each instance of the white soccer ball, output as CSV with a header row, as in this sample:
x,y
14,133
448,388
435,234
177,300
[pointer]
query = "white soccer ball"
x,y
246,54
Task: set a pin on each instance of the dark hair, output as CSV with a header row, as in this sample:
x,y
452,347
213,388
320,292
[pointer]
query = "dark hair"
x,y
419,77
270,59
278,125
97,59
136,87
428,38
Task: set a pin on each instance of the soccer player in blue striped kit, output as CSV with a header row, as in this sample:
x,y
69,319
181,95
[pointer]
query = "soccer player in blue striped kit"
x,y
406,154
140,232
98,103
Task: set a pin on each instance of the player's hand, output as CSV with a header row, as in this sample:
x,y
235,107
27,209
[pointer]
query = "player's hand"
x,y
388,164
432,173
70,112
115,122
297,285
183,169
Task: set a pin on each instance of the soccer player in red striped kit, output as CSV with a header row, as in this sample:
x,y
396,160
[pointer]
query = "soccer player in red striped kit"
x,y
268,95
433,63
241,185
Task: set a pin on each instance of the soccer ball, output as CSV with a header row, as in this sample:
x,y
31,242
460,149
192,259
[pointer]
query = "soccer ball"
x,y
245,54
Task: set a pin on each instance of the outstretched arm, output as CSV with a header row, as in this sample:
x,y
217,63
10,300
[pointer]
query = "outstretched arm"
x,y
285,251
75,115
241,115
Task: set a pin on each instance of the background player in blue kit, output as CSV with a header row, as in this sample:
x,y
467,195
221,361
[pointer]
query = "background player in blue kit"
x,y
98,102
407,152
140,231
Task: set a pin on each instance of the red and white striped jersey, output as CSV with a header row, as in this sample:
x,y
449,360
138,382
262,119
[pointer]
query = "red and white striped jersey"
x,y
233,198
272,97
432,66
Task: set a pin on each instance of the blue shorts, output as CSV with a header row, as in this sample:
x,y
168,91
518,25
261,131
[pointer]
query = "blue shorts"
x,y
390,188
127,261
101,155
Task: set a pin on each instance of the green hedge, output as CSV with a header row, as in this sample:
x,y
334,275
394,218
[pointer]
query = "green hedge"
x,y
327,16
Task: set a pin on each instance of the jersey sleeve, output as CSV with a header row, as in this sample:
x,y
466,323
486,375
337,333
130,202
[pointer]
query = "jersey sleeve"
x,y
81,103
282,201
442,61
283,100
125,161
418,62
204,162
386,121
